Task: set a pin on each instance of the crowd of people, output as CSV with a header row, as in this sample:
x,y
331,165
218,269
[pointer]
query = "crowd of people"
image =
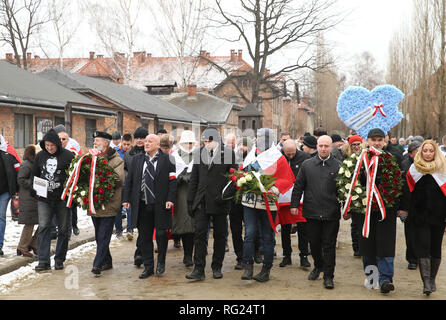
x,y
180,191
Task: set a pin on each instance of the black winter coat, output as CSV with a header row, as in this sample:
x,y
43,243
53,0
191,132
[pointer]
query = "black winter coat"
x,y
316,179
165,189
10,163
52,167
426,203
27,203
208,182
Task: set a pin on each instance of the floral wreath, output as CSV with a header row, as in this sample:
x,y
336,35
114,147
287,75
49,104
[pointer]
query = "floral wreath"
x,y
104,181
388,181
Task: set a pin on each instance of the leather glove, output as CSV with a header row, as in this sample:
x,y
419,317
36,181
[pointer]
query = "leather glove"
x,y
190,210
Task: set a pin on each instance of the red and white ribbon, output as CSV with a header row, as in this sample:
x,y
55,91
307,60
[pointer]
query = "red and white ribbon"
x,y
72,182
371,169
360,119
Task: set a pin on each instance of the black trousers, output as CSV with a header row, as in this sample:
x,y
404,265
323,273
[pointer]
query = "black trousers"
x,y
301,236
236,224
200,243
408,234
355,230
146,226
427,240
188,243
103,229
322,236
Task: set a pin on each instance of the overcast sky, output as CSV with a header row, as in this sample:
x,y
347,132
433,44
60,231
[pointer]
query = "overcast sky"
x,y
368,27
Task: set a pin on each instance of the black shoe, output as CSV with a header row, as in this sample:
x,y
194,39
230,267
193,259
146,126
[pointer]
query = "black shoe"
x,y
249,269
356,254
96,271
106,267
42,267
195,275
238,266
160,268
217,274
412,266
188,262
258,258
314,275
138,261
146,273
285,262
263,276
328,283
304,263
58,265
386,287
177,244
1,252
76,231
54,236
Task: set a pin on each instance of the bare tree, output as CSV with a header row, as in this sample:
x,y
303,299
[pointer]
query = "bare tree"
x,y
181,30
20,20
365,72
115,23
267,27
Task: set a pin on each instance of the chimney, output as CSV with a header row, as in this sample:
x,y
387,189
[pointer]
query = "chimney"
x,y
192,91
208,54
233,55
100,56
28,56
91,55
267,72
36,57
202,53
240,55
149,55
9,56
141,56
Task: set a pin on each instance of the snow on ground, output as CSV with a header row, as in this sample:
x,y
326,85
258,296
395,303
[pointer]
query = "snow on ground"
x,y
14,230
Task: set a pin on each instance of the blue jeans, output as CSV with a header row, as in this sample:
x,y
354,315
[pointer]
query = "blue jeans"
x,y
118,221
4,200
385,267
46,213
129,219
257,220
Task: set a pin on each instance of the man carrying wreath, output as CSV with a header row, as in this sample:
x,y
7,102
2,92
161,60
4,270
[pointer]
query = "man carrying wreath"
x,y
104,218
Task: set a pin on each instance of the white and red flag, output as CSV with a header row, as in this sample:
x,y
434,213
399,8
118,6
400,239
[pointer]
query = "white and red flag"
x,y
413,176
6,147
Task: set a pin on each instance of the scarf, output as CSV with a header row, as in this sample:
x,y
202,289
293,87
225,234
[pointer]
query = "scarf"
x,y
423,166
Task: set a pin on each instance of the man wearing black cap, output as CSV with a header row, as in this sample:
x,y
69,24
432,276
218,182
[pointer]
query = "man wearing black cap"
x,y
337,144
104,218
378,250
51,164
392,149
405,166
309,145
204,199
139,137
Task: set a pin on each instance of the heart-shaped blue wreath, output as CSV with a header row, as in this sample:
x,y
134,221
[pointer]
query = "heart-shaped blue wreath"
x,y
363,110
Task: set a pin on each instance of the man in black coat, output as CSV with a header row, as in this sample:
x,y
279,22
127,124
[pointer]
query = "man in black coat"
x,y
51,164
150,188
139,136
295,159
321,208
405,166
205,200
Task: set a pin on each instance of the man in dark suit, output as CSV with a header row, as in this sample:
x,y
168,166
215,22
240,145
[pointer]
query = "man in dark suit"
x,y
205,200
150,188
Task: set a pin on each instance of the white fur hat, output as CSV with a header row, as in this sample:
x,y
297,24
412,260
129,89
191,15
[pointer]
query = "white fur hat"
x,y
187,136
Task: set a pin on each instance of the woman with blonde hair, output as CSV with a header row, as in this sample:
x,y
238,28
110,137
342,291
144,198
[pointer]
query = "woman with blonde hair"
x,y
424,203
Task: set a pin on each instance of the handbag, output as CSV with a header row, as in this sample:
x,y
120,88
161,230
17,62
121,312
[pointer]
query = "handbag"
x,y
15,207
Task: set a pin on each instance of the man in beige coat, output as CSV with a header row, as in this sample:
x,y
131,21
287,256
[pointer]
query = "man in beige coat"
x,y
104,219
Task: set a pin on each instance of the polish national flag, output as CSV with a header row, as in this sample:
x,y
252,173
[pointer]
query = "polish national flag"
x,y
413,176
272,161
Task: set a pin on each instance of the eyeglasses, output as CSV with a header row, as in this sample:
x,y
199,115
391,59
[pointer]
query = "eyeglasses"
x,y
356,144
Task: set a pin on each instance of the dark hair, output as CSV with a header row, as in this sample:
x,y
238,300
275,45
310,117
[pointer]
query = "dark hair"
x,y
320,132
30,153
164,131
127,137
285,133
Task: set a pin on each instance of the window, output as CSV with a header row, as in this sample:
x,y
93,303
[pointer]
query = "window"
x,y
90,128
243,124
23,130
254,125
174,127
186,128
233,99
59,120
259,104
